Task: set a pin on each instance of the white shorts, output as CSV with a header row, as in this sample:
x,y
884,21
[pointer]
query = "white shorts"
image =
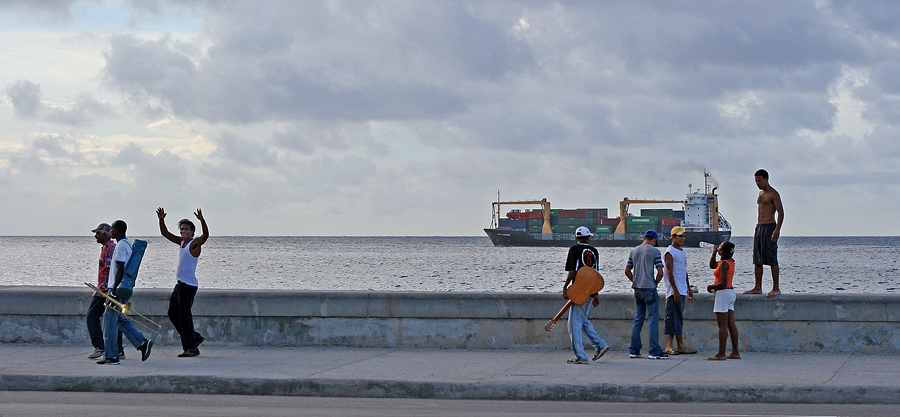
x,y
724,301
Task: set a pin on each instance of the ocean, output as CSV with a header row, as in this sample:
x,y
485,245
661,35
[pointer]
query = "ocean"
x,y
808,264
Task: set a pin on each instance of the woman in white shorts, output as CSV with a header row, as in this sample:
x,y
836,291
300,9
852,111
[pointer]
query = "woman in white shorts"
x,y
724,307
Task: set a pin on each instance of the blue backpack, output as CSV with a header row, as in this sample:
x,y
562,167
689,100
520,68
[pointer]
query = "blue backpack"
x,y
129,274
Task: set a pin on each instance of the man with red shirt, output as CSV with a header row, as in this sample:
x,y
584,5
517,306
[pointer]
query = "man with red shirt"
x,y
97,306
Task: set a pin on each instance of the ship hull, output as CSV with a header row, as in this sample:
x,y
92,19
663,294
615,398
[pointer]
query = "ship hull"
x,y
518,238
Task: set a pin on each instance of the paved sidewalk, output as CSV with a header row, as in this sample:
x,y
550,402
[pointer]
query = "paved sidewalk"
x,y
460,374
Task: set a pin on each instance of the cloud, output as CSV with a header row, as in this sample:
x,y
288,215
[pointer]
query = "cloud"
x,y
351,64
84,109
243,151
46,11
305,113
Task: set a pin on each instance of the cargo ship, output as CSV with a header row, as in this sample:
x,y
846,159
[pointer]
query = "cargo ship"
x,y
698,214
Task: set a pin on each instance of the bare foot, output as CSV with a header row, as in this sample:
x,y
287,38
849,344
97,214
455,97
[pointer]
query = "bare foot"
x,y
773,293
734,356
754,291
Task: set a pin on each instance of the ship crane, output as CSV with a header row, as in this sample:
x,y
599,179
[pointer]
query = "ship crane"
x,y
545,207
623,209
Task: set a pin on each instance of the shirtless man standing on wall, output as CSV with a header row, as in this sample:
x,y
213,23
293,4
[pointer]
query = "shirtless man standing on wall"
x,y
765,239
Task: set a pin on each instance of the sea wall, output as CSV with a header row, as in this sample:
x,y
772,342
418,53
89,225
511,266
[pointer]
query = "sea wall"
x,y
457,320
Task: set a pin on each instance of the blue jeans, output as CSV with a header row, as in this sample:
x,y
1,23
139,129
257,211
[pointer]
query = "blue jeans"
x,y
646,305
95,323
114,322
578,323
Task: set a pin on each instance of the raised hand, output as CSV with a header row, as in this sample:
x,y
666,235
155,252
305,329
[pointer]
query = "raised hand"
x,y
199,214
160,213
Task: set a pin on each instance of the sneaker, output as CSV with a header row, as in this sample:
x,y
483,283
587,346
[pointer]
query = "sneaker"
x,y
145,349
190,353
200,340
635,356
97,353
577,361
122,355
109,361
660,356
600,353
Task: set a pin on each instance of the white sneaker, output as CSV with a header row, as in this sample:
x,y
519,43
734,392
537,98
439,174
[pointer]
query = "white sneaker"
x,y
97,353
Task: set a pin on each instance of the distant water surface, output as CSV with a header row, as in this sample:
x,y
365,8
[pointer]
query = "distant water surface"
x,y
808,264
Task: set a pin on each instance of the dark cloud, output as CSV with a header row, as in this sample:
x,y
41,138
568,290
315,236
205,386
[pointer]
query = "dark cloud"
x,y
27,103
243,151
287,60
45,11
26,98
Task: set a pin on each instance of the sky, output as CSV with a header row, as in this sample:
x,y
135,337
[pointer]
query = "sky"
x,y
406,118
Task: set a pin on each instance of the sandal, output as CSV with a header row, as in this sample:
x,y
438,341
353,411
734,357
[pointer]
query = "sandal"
x,y
733,356
688,352
716,358
671,352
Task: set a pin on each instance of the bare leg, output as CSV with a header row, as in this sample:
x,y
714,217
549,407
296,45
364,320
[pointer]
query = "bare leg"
x,y
682,348
757,272
775,290
670,338
732,328
722,320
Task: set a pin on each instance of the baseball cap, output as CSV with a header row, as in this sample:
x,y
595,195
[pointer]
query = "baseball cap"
x,y
678,230
651,233
103,228
583,231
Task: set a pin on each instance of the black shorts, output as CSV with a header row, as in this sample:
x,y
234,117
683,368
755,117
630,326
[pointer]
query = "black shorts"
x,y
765,250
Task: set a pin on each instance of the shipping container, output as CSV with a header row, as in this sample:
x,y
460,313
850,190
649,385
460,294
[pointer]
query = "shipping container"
x,y
604,229
573,213
568,229
533,222
665,230
533,215
651,220
575,221
656,212
639,228
512,223
669,222
678,214
609,221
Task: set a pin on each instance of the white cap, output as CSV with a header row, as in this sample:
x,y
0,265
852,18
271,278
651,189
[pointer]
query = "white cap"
x,y
583,231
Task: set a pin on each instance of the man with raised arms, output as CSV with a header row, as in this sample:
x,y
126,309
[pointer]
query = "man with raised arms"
x,y
182,298
768,229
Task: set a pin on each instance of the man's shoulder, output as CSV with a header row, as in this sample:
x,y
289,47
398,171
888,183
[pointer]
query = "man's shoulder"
x,y
580,247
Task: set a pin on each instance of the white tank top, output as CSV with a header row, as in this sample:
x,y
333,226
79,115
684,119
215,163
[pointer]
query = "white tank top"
x,y
679,271
187,266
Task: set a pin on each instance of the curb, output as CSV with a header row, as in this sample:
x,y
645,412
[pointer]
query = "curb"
x,y
320,387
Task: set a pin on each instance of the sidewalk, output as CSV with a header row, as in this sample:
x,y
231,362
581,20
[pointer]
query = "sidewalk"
x,y
460,374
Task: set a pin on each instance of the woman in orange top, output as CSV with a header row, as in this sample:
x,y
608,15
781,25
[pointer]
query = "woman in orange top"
x,y
725,296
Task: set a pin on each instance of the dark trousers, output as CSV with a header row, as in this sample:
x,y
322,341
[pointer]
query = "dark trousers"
x,y
95,329
674,315
180,303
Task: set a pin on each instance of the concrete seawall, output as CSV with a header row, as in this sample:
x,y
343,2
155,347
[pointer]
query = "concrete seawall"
x,y
862,323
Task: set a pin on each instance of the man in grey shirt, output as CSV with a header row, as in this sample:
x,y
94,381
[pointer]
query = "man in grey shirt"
x,y
639,271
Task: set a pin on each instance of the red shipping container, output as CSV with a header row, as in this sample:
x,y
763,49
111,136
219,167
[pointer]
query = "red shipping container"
x,y
580,214
609,222
665,221
534,215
